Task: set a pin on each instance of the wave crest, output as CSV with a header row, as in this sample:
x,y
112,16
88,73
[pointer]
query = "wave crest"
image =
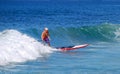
x,y
103,32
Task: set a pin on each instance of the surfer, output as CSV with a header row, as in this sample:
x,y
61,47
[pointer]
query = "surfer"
x,y
45,36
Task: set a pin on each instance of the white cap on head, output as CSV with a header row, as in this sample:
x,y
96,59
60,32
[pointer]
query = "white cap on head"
x,y
46,28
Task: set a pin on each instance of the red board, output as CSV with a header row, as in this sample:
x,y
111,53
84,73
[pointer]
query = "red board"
x,y
73,47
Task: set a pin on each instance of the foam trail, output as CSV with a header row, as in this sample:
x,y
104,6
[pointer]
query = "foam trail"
x,y
17,47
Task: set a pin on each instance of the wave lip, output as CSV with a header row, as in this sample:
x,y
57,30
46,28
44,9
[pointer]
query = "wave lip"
x,y
17,47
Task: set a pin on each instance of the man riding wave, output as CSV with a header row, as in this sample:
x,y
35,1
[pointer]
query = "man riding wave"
x,y
45,36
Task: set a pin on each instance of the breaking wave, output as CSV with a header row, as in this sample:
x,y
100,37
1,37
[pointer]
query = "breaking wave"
x,y
104,32
16,47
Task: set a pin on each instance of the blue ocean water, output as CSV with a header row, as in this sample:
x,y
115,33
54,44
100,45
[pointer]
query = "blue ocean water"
x,y
69,23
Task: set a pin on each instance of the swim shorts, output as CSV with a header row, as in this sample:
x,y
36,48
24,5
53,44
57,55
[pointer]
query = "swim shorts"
x,y
46,40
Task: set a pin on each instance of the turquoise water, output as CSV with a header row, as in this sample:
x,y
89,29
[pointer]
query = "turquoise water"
x,y
69,23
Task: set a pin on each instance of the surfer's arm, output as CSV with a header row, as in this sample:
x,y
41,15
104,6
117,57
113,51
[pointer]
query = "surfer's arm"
x,y
42,36
48,36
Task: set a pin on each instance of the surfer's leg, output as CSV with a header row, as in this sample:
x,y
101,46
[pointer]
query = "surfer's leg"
x,y
43,42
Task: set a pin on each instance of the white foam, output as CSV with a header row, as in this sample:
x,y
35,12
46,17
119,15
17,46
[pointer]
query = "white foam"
x,y
17,47
117,33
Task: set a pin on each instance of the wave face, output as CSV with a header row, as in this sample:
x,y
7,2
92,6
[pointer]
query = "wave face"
x,y
17,47
103,32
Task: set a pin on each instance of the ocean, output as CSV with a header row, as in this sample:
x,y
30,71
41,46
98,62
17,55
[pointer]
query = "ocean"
x,y
96,23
